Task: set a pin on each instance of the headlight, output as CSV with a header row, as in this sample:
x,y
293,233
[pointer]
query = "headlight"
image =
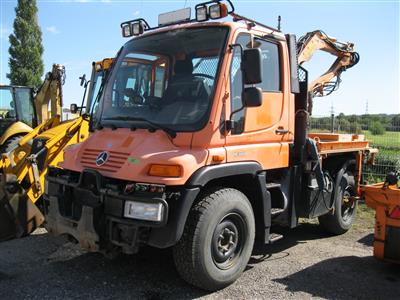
x,y
144,211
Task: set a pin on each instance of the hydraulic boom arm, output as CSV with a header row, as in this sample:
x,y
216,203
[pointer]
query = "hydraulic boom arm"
x,y
325,84
51,89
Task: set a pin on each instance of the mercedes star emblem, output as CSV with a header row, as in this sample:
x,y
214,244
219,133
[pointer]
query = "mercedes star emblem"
x,y
102,158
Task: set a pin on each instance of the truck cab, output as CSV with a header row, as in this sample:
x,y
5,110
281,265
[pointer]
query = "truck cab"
x,y
199,142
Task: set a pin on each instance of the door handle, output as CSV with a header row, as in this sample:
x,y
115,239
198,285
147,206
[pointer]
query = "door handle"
x,y
281,131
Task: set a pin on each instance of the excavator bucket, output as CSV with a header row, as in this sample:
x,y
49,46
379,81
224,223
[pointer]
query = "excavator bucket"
x,y
19,216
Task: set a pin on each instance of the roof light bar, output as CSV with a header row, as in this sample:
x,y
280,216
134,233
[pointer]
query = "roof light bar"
x,y
214,9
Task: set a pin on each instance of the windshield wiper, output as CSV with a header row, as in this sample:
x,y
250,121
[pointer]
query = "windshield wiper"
x,y
169,131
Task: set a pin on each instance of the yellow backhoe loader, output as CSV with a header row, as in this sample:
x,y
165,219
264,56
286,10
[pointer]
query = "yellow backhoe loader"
x,y
25,165
21,109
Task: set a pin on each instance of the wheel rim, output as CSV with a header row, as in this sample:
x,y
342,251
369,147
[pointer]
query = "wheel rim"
x,y
228,240
347,204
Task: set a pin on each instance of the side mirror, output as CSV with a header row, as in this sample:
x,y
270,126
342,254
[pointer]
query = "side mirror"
x,y
83,79
73,108
252,66
252,97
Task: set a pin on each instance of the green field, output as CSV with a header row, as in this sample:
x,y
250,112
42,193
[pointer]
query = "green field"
x,y
389,140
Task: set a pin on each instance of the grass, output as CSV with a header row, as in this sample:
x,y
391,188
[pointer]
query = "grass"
x,y
365,217
390,139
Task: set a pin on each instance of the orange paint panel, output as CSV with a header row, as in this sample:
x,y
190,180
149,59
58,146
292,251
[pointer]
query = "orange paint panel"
x,y
267,115
269,155
132,161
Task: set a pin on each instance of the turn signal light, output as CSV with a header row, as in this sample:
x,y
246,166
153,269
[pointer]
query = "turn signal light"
x,y
395,214
165,170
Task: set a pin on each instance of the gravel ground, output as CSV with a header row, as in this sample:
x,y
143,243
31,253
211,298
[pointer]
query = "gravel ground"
x,y
305,264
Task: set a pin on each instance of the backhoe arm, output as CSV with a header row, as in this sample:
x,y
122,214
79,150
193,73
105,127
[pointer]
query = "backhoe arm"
x,y
346,58
51,90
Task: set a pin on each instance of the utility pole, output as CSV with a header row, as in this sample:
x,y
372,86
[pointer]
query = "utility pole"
x,y
366,107
332,118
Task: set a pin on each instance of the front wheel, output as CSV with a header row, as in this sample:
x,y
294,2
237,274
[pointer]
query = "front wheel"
x,y
344,206
217,241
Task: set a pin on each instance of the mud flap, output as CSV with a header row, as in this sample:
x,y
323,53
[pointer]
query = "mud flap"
x,y
19,216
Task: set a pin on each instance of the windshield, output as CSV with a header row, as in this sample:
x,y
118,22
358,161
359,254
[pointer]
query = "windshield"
x,y
166,79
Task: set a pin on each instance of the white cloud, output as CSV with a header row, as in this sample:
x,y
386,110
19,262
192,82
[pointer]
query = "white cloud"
x,y
53,29
4,32
106,1
136,13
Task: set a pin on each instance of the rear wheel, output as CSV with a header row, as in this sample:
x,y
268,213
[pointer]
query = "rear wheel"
x,y
217,241
344,206
11,143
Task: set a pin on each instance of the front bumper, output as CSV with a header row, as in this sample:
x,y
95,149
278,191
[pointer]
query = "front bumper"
x,y
88,207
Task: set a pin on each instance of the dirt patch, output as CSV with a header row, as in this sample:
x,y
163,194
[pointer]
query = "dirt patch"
x,y
306,264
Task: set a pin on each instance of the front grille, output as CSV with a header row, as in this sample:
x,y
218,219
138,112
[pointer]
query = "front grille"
x,y
113,163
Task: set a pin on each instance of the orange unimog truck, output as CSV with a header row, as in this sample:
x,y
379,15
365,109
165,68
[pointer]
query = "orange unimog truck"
x,y
199,142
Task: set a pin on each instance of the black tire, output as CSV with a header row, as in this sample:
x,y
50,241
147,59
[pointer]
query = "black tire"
x,y
344,211
217,240
11,143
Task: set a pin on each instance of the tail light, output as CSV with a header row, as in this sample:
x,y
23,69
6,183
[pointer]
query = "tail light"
x,y
395,214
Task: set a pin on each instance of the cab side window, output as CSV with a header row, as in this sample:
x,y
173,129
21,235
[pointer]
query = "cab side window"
x,y
271,70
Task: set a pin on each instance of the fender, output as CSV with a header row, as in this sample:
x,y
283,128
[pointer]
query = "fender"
x,y
205,174
170,234
17,128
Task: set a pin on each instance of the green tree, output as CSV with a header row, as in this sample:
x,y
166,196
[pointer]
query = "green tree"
x,y
377,128
26,65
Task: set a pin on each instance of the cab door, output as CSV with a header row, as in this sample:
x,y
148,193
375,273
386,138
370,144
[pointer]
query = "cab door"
x,y
261,133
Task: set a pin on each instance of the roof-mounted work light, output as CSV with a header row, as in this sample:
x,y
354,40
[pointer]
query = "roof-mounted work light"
x,y
126,30
138,28
215,9
201,14
134,27
218,11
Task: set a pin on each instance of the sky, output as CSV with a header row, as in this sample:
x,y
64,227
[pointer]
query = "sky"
x,y
77,32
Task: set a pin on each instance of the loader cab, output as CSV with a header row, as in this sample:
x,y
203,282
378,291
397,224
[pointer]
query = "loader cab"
x,y
16,104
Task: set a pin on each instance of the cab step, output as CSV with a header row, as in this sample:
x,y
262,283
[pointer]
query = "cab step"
x,y
273,185
276,211
274,237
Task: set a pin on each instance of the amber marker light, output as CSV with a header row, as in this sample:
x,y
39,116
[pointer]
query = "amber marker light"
x,y
218,158
165,170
